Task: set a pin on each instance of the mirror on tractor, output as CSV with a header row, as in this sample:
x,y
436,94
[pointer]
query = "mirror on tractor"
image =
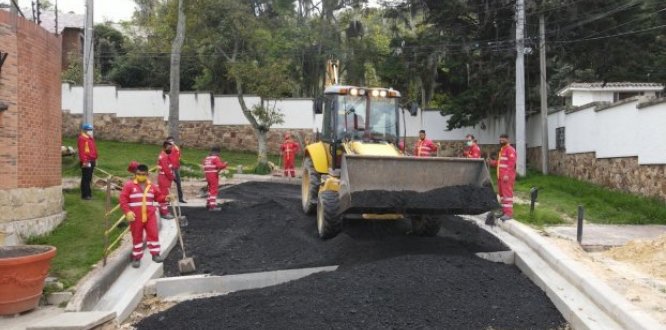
x,y
414,109
317,106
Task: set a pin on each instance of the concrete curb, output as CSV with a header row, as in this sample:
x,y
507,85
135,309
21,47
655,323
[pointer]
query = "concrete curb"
x,y
185,287
616,306
94,285
240,178
71,321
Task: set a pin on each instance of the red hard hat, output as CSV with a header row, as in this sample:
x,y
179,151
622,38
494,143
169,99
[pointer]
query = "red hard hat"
x,y
132,166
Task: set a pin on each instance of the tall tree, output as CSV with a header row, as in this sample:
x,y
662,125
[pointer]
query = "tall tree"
x,y
174,94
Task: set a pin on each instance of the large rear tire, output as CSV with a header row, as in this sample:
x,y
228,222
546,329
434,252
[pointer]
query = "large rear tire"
x,y
309,187
426,225
329,222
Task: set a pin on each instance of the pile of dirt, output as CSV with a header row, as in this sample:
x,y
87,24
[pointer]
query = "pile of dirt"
x,y
264,229
451,290
450,200
647,255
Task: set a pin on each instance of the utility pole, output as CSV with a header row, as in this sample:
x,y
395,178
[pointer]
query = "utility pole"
x,y
544,95
88,65
520,87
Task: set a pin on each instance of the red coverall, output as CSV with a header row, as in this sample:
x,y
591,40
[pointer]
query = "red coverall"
x,y
165,177
174,157
424,148
212,166
506,177
142,198
87,148
473,151
289,149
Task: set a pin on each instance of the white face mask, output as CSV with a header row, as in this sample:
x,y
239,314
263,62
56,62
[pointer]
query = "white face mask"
x,y
90,133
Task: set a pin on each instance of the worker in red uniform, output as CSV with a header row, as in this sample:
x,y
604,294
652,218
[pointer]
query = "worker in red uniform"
x,y
506,176
165,177
87,158
212,166
472,149
138,200
175,157
289,148
424,147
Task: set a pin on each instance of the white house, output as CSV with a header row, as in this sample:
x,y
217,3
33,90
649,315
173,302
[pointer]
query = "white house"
x,y
577,94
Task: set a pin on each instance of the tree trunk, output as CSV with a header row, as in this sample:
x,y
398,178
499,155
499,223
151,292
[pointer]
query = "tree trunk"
x,y
262,147
174,92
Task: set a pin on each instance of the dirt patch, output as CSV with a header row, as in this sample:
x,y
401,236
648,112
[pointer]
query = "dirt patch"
x,y
447,200
452,290
265,229
21,251
647,255
644,291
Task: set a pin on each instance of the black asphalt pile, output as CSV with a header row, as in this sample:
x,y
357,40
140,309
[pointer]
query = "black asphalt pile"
x,y
451,291
265,229
448,200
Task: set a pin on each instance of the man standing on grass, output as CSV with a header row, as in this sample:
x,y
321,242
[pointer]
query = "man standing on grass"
x,y
212,165
289,148
87,158
165,177
175,162
138,201
506,176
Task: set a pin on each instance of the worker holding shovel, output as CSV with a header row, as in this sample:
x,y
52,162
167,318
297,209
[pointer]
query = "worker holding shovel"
x,y
139,201
212,166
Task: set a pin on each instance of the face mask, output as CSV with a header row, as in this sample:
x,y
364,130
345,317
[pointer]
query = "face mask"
x,y
141,178
469,143
90,133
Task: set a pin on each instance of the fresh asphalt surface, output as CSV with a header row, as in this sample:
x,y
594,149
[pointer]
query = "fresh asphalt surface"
x,y
386,279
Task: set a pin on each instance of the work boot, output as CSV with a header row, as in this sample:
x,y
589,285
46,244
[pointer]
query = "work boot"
x,y
214,208
167,216
136,263
182,201
157,258
506,217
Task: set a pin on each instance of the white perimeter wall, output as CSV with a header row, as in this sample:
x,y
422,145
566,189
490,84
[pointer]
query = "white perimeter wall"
x,y
620,131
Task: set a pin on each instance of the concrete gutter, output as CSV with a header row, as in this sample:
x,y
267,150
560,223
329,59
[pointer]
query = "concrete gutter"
x,y
187,287
585,302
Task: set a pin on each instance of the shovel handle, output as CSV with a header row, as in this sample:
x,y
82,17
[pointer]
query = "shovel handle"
x,y
180,236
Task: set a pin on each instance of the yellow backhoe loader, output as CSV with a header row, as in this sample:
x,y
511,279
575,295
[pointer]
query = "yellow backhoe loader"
x,y
357,170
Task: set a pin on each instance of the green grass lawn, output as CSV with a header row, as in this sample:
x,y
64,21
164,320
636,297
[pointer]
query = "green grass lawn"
x,y
80,238
115,156
559,198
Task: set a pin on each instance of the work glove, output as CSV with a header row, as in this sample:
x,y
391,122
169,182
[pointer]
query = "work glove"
x,y
505,178
86,164
130,216
170,198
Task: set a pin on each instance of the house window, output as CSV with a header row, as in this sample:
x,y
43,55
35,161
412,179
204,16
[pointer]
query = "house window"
x,y
559,138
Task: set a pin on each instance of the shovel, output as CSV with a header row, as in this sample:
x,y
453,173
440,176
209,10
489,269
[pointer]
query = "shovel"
x,y
185,265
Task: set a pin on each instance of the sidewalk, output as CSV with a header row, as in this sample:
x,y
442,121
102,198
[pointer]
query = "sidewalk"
x,y
601,237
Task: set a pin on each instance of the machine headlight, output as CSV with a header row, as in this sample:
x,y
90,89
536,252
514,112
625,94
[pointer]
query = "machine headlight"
x,y
382,93
353,92
375,93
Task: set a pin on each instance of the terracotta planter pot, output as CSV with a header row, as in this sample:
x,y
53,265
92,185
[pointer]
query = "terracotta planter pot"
x,y
23,269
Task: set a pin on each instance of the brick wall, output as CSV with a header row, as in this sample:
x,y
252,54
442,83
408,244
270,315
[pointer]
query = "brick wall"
x,y
31,129
620,173
9,118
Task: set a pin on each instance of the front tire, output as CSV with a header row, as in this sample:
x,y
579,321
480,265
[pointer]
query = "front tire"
x,y
425,225
329,222
309,187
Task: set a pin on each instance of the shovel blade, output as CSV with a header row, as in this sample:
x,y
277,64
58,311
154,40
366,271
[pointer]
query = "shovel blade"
x,y
186,266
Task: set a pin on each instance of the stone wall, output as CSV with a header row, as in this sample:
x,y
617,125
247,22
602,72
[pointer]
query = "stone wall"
x,y
30,211
621,173
193,134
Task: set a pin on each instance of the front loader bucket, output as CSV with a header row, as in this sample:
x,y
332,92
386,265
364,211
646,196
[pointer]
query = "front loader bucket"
x,y
411,185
